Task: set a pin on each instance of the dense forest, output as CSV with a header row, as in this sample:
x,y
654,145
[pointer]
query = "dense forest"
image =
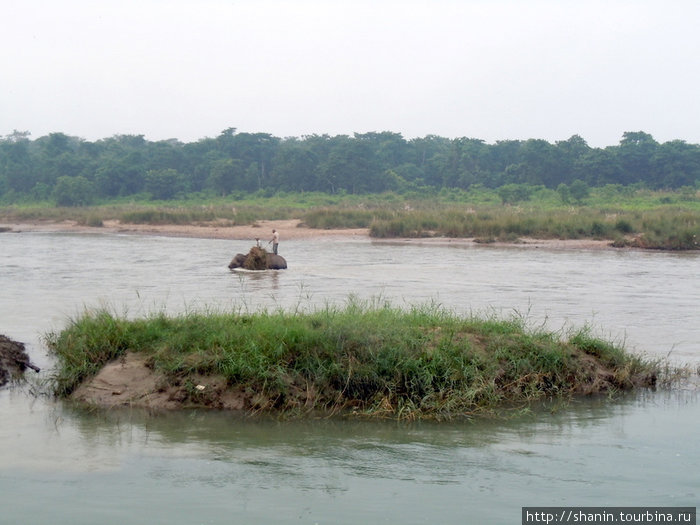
x,y
73,171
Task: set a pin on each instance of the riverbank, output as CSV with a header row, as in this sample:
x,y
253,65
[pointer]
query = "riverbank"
x,y
643,219
288,229
359,360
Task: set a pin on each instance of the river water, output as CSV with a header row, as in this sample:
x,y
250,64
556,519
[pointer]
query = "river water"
x,y
62,465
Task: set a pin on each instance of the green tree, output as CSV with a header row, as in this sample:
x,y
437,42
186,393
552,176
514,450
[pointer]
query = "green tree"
x,y
58,157
579,190
599,167
164,184
73,191
226,175
564,193
17,165
635,155
512,193
254,148
119,177
362,163
295,168
542,163
164,154
676,164
391,149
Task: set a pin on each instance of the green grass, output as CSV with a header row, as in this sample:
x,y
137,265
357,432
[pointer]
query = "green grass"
x,y
366,359
667,228
625,216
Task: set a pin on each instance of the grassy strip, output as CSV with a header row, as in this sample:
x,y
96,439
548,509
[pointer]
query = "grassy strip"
x,y
162,213
367,359
667,228
639,218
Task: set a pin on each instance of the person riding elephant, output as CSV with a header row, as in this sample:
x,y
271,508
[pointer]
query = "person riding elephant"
x,y
275,241
258,259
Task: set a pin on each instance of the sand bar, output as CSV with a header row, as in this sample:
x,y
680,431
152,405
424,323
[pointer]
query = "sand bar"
x,y
288,229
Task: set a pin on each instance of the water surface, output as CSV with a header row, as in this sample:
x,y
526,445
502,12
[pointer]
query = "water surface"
x,y
60,464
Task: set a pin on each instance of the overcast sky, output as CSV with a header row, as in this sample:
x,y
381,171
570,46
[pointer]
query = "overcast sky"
x,y
487,69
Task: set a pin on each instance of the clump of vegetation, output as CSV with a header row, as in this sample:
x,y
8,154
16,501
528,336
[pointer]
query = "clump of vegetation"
x,y
361,359
666,231
94,221
256,259
330,218
660,228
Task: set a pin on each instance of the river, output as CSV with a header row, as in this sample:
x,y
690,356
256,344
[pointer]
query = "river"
x,y
63,465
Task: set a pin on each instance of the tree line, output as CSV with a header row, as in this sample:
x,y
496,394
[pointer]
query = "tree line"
x,y
74,171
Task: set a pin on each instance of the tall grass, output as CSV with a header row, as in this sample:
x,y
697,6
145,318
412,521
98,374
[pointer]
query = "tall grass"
x,y
362,358
344,217
624,216
662,228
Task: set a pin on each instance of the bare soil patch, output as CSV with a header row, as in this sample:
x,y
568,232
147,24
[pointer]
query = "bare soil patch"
x,y
131,381
127,381
288,229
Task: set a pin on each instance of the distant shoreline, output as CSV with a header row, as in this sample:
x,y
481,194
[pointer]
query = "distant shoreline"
x,y
289,229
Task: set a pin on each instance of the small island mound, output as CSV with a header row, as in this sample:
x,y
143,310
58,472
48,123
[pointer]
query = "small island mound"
x,y
359,360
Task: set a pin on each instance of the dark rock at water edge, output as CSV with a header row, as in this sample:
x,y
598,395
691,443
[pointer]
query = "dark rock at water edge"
x,y
13,360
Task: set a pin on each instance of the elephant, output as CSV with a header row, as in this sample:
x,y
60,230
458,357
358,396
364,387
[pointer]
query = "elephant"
x,y
258,259
276,262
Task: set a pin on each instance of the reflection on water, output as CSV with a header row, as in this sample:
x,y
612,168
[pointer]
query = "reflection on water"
x,y
638,450
62,464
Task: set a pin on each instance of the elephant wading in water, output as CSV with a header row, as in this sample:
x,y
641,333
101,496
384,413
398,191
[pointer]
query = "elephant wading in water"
x,y
258,259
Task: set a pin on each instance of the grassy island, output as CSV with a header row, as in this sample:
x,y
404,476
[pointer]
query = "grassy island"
x,y
360,359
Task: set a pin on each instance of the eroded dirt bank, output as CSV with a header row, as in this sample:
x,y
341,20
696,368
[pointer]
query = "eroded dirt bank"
x,y
132,381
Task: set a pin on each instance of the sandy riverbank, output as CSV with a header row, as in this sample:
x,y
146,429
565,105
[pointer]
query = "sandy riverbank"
x,y
288,229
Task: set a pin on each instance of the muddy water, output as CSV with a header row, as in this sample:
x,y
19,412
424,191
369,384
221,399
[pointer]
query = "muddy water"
x,y
60,465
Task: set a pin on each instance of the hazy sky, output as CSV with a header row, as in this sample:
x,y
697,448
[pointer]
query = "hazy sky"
x,y
488,69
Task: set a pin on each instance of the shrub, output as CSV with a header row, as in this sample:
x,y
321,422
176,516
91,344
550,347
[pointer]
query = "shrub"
x,y
74,191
